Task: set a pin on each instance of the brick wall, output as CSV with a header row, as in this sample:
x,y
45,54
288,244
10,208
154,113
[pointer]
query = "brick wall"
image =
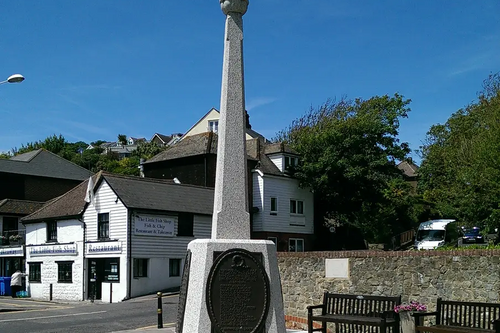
x,y
464,275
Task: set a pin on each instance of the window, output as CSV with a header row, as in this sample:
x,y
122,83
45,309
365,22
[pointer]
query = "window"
x,y
52,231
65,271
141,268
295,245
185,224
273,239
103,226
274,206
296,207
291,162
112,269
213,126
35,272
174,267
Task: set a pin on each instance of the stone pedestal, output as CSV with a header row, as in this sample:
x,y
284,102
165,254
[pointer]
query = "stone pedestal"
x,y
197,307
407,322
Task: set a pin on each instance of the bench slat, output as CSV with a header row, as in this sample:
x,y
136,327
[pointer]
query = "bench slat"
x,y
449,329
373,321
356,313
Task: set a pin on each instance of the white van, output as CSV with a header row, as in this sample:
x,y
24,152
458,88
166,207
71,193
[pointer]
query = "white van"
x,y
435,233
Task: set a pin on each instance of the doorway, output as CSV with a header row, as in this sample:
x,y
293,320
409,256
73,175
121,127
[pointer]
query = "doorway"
x,y
101,270
95,276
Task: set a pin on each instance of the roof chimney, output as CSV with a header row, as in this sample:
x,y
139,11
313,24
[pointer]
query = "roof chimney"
x,y
248,120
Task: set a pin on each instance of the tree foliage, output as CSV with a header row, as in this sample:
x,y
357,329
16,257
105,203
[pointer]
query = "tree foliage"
x,y
92,158
460,170
349,151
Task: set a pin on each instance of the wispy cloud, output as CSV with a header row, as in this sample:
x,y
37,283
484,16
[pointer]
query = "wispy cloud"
x,y
104,130
87,88
473,63
259,101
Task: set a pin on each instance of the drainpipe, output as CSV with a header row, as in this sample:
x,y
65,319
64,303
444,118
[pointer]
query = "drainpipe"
x,y
205,169
129,254
84,265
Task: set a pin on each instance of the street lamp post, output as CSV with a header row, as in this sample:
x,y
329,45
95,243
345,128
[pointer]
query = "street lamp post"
x,y
13,79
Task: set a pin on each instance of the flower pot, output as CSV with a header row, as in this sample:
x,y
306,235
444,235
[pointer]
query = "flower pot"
x,y
407,322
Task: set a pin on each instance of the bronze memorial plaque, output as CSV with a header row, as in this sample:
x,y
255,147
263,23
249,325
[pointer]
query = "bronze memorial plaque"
x,y
237,293
183,293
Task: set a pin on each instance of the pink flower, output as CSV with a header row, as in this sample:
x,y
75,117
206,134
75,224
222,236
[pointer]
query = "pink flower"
x,y
413,306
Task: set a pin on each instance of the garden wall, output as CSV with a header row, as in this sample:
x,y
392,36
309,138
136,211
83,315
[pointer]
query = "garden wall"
x,y
463,275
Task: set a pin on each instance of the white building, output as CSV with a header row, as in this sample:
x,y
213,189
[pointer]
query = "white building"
x,y
129,239
283,211
280,210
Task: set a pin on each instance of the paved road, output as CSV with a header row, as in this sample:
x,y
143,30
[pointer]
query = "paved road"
x,y
47,317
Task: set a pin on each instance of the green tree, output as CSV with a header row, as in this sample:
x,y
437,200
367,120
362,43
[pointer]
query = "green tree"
x,y
122,138
460,171
146,150
348,154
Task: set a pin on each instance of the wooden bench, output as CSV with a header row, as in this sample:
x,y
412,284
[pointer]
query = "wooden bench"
x,y
354,312
461,317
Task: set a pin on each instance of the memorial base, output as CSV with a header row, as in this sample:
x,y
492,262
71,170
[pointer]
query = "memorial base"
x,y
194,315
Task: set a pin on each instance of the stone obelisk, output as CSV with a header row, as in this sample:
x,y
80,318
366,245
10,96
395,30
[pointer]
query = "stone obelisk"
x,y
230,283
231,218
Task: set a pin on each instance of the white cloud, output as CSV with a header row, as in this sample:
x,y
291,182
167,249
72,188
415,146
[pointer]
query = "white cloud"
x,y
259,101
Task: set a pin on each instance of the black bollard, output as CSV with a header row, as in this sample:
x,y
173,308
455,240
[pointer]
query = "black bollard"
x,y
160,316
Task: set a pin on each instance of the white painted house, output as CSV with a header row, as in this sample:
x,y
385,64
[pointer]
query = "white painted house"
x,y
128,238
210,123
283,211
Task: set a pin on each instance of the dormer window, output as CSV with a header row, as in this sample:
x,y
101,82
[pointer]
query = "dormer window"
x,y
291,161
213,126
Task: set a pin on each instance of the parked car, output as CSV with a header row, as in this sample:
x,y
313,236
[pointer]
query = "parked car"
x,y
472,236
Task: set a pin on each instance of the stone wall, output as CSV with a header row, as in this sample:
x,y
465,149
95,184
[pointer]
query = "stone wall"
x,y
463,275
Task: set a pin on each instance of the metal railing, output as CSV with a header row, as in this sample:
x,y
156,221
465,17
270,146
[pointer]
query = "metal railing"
x,y
403,239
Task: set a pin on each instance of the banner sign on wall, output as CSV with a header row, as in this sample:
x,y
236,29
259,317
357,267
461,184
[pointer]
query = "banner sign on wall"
x,y
149,225
104,247
12,252
53,250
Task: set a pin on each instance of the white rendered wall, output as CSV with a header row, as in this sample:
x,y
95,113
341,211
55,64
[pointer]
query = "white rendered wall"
x,y
258,199
284,189
106,201
159,250
278,161
68,231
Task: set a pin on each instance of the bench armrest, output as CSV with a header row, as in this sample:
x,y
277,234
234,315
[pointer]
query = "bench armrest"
x,y
496,325
310,308
388,314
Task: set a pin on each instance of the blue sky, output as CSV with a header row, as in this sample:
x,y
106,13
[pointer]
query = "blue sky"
x,y
98,68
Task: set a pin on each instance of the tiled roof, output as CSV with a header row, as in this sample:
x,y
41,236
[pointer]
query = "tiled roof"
x,y
164,138
206,143
409,169
43,163
199,144
134,192
161,195
26,157
279,147
19,207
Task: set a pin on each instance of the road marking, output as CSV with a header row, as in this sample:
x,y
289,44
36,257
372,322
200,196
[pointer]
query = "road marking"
x,y
56,316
